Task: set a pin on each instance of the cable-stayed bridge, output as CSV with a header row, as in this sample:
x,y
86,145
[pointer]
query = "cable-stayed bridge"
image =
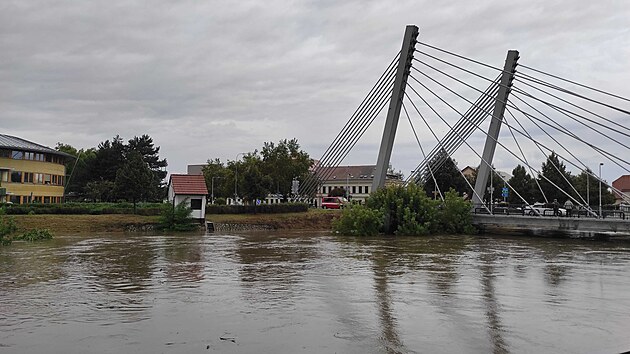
x,y
460,102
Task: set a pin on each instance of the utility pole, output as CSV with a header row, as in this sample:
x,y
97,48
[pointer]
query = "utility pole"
x,y
395,104
495,126
600,189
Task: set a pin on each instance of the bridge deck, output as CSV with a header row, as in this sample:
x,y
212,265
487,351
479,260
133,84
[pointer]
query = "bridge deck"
x,y
552,224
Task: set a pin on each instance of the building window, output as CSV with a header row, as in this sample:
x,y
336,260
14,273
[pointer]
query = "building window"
x,y
5,153
354,189
16,177
360,189
46,179
195,204
17,155
28,177
46,200
366,190
15,199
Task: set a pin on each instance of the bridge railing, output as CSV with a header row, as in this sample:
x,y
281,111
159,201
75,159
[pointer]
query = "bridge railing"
x,y
502,209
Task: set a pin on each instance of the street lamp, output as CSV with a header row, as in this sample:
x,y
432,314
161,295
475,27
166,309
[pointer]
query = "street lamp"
x,y
236,177
600,189
212,188
588,193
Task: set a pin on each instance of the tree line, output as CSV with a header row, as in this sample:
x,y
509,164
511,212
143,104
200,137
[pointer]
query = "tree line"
x,y
116,170
271,170
554,178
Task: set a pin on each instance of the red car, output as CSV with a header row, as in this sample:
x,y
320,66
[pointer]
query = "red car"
x,y
333,202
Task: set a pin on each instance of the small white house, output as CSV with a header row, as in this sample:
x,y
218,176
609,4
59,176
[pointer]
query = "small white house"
x,y
190,189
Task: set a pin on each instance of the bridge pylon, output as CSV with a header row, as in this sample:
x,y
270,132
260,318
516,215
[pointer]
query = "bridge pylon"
x,y
495,126
395,104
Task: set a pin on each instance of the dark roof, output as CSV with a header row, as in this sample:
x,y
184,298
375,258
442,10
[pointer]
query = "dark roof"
x,y
189,184
351,172
13,142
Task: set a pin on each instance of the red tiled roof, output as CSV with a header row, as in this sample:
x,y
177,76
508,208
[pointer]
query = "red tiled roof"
x,y
189,184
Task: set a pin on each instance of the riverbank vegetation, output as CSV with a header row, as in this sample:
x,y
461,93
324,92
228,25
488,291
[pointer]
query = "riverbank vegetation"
x,y
75,208
177,218
9,228
406,210
258,209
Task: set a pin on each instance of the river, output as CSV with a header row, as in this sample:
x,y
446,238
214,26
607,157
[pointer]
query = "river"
x,y
312,292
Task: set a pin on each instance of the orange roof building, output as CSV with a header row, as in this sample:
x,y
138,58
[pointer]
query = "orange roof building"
x,y
189,189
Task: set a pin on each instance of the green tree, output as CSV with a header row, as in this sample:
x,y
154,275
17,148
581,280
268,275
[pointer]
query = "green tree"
x,y
283,162
447,175
100,191
255,184
524,184
586,180
134,179
554,172
223,185
150,154
79,170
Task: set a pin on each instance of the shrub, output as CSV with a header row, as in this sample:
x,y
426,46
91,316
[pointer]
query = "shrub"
x,y
7,227
35,235
407,210
359,220
254,209
177,218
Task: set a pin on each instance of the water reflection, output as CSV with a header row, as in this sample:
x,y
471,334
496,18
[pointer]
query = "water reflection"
x,y
270,267
494,326
312,292
125,264
387,320
184,259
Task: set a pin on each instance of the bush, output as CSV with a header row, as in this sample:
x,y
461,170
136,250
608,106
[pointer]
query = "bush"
x,y
7,227
255,209
398,210
359,220
177,218
35,235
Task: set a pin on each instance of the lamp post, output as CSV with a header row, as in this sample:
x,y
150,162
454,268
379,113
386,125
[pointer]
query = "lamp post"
x,y
600,189
212,188
588,193
236,177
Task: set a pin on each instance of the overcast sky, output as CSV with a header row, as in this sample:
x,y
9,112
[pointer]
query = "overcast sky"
x,y
210,79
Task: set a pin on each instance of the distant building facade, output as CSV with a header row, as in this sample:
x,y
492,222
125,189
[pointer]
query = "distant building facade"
x,y
30,172
355,180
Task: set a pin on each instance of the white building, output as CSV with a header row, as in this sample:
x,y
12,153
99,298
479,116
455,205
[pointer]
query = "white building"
x,y
356,180
189,189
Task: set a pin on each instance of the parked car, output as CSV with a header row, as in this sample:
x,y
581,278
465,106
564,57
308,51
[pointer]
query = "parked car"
x,y
333,202
544,209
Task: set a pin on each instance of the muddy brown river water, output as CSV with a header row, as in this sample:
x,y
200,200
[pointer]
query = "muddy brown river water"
x,y
311,292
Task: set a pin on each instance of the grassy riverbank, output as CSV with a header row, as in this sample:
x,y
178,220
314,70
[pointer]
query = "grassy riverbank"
x,y
312,220
83,223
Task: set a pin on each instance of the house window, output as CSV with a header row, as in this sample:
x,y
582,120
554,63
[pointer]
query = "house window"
x,y
16,177
17,155
195,204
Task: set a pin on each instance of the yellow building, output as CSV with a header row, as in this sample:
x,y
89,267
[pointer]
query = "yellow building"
x,y
30,173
